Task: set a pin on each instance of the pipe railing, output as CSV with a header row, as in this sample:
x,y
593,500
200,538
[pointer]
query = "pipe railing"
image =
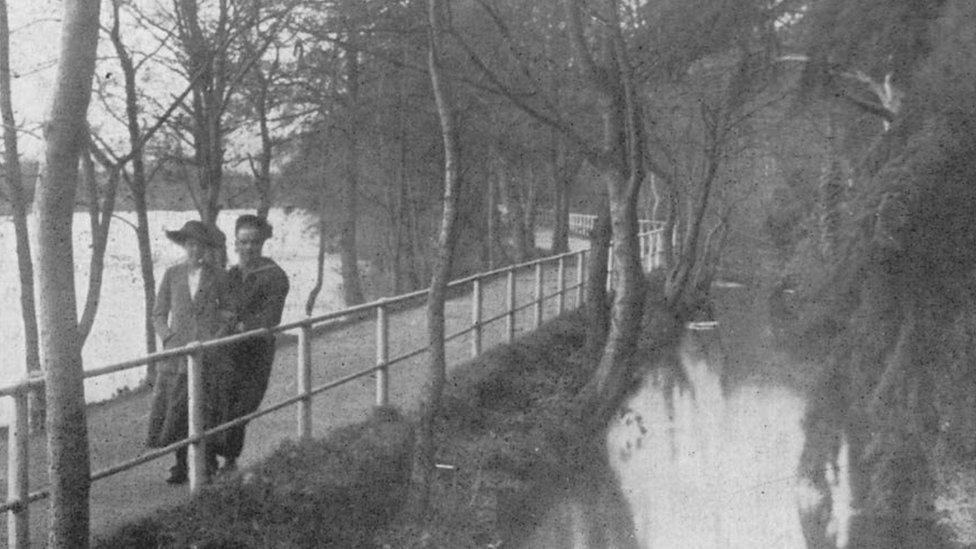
x,y
19,497
581,224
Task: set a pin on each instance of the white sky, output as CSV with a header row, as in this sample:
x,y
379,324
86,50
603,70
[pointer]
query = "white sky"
x,y
35,32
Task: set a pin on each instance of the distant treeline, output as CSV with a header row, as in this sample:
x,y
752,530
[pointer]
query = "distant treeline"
x,y
168,192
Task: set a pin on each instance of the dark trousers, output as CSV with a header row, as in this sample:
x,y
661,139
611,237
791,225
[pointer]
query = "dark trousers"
x,y
251,364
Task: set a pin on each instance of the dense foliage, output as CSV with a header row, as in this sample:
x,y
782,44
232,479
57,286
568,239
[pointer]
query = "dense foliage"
x,y
894,305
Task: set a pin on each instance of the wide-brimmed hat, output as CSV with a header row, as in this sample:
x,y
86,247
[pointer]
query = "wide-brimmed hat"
x,y
196,230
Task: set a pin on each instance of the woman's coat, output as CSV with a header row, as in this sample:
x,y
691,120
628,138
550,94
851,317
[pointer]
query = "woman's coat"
x,y
180,318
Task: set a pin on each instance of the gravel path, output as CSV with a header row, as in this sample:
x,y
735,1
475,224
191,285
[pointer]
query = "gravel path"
x,y
117,429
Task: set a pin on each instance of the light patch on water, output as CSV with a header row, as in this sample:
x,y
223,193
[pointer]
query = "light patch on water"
x,y
708,469
839,483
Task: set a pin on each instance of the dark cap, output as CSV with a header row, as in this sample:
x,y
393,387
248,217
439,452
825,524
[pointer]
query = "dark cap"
x,y
251,220
196,230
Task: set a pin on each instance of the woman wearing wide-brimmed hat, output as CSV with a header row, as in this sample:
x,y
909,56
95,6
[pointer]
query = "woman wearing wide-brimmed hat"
x,y
192,305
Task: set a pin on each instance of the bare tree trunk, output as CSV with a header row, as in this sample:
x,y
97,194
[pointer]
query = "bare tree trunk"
x,y
137,184
567,166
351,284
670,224
531,203
402,265
313,294
492,223
145,263
101,219
66,132
423,457
624,172
560,229
516,212
209,84
401,226
680,277
262,168
597,306
18,210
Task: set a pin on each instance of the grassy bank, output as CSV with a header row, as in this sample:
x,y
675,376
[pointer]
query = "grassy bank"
x,y
499,435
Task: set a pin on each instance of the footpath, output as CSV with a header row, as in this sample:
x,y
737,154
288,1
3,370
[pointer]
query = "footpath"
x,y
117,428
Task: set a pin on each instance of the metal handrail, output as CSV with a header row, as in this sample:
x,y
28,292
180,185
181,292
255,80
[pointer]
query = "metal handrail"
x,y
18,499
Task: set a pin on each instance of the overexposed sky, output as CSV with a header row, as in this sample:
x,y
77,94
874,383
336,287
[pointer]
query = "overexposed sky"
x,y
34,41
34,33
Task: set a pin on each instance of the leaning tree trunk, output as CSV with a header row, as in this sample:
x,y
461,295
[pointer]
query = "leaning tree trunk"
x,y
18,210
313,294
613,372
624,172
680,277
423,457
68,461
101,219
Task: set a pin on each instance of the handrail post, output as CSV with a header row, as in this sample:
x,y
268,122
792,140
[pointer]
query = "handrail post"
x,y
305,382
510,306
537,321
659,261
642,240
382,356
18,460
476,317
562,284
653,250
580,271
196,453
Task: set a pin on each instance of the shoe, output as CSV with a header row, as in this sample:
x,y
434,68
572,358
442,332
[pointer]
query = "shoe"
x,y
230,465
177,475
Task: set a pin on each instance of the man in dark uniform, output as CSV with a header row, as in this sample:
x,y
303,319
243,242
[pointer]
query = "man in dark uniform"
x,y
259,287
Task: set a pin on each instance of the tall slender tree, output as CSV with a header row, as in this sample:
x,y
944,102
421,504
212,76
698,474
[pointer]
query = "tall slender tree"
x,y
138,182
18,210
60,353
352,289
423,457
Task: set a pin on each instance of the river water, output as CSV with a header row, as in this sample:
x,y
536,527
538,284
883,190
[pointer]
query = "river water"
x,y
707,458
